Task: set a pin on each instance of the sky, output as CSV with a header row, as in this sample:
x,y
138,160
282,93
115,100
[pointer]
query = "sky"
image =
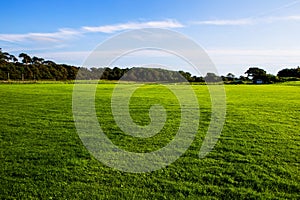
x,y
235,34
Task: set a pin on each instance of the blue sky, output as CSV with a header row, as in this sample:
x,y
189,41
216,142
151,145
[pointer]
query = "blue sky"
x,y
235,34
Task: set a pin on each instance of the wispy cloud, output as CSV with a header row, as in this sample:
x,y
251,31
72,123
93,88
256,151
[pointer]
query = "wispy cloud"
x,y
284,18
224,22
247,21
133,25
58,36
64,34
256,52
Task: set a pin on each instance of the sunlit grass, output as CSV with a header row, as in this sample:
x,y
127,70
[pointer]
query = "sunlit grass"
x,y
257,156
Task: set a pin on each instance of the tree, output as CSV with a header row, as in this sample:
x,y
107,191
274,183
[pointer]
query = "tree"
x,y
243,78
293,72
36,60
1,55
230,76
256,73
212,78
117,73
270,78
49,63
7,57
4,55
186,75
26,59
13,58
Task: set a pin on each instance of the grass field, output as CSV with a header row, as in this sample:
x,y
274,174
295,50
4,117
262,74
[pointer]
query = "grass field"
x,y
257,156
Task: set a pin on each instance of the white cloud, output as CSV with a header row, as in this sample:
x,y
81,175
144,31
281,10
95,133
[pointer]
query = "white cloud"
x,y
284,18
133,25
224,22
247,21
256,52
61,34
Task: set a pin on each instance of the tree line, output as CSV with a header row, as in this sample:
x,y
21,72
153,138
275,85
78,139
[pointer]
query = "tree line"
x,y
25,67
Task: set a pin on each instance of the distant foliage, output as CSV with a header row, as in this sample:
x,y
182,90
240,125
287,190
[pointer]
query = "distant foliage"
x,y
260,76
35,68
293,72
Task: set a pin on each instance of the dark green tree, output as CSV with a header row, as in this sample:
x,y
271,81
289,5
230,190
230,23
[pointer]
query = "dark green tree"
x,y
36,60
26,59
256,73
293,72
4,56
230,76
186,75
212,78
13,58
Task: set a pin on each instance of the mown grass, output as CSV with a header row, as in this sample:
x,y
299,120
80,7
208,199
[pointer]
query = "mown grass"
x,y
257,156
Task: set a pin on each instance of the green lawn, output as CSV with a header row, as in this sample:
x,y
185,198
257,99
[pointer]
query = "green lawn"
x,y
257,156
